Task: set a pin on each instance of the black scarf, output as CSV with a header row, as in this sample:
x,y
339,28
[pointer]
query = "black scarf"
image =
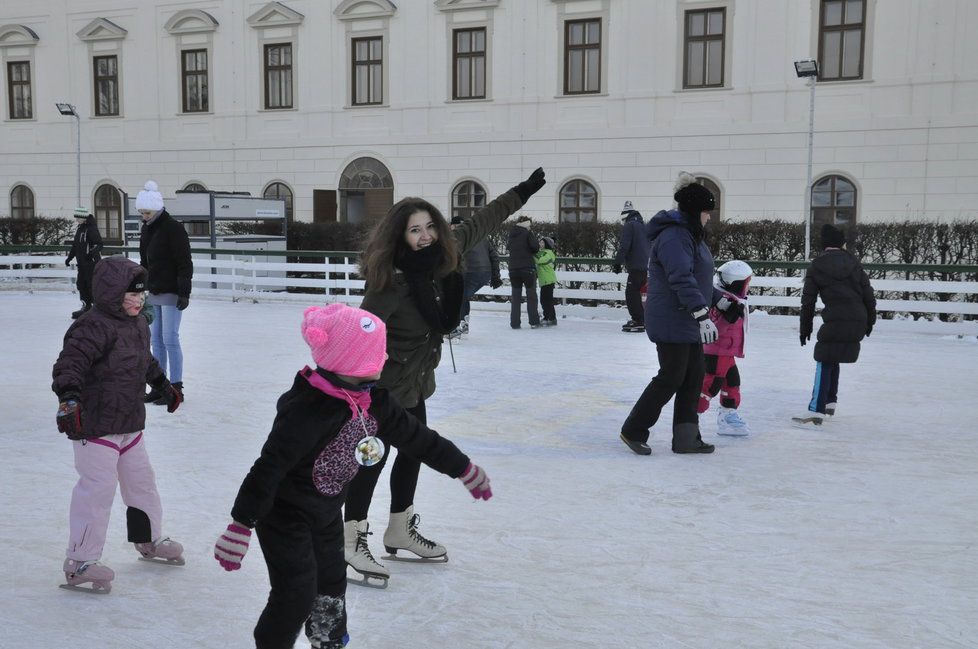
x,y
695,226
442,313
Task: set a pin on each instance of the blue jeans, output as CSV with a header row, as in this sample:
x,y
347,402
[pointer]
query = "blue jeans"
x,y
165,341
473,282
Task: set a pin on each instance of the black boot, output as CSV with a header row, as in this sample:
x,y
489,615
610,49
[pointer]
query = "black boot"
x,y
641,448
85,307
686,439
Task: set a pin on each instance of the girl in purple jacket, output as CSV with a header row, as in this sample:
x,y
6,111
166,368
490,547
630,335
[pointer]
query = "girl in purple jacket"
x,y
99,378
722,376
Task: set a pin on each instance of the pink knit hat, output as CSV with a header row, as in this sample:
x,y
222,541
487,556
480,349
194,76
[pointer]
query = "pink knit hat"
x,y
345,340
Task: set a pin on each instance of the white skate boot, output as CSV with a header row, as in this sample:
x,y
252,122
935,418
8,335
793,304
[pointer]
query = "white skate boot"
x,y
164,550
402,534
87,572
729,423
358,556
829,411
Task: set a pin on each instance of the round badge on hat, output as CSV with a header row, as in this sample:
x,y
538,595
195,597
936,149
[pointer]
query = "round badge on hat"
x,y
369,451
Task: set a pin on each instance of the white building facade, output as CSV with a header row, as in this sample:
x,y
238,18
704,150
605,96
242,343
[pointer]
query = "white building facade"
x,y
344,106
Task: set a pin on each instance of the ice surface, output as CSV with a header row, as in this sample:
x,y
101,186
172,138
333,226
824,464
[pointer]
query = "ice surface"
x,y
864,534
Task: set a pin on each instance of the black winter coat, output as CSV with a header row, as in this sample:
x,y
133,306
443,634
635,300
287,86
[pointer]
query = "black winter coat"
x,y
310,443
87,244
106,362
850,306
633,244
522,245
164,251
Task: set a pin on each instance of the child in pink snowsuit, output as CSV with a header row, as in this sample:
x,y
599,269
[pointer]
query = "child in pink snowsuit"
x,y
722,376
100,377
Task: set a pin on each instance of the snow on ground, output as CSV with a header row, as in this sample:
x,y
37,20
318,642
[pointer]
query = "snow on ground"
x,y
860,535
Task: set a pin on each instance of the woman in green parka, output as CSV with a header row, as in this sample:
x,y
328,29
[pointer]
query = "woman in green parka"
x,y
414,284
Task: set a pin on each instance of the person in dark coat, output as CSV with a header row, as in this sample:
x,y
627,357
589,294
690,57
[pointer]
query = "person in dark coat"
x,y
330,423
849,314
680,294
85,250
523,245
99,378
633,254
164,251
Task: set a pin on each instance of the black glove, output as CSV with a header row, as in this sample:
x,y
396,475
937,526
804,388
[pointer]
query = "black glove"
x,y
182,302
69,417
804,338
495,282
531,185
869,330
68,261
171,397
616,269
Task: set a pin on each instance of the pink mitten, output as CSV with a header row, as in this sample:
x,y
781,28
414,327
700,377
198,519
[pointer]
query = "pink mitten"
x,y
232,545
476,481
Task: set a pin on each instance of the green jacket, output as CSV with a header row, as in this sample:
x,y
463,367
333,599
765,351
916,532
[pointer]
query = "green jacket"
x,y
413,350
546,267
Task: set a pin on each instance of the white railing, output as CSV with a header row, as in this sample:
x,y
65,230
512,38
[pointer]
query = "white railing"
x,y
251,277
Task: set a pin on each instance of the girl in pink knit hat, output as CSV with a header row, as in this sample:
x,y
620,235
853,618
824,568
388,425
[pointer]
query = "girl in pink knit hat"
x,y
331,422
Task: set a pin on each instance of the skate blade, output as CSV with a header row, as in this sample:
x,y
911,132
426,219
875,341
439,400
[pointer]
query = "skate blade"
x,y
805,423
368,580
93,590
168,562
416,559
732,434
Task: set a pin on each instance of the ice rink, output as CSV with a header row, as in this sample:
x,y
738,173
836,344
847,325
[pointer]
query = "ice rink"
x,y
861,535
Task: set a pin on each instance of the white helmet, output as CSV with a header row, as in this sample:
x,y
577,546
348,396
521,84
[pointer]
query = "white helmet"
x,y
734,276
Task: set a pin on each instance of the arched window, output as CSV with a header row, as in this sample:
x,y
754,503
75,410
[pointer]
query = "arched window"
x,y
834,201
21,202
578,202
108,212
467,197
280,190
715,190
194,187
366,190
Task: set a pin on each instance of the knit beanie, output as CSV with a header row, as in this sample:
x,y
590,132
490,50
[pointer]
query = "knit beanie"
x,y
150,198
345,340
694,198
627,208
81,212
832,237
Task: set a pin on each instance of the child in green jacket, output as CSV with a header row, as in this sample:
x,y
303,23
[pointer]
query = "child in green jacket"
x,y
547,277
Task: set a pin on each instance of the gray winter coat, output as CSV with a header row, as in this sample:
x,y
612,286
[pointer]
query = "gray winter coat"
x,y
483,258
105,363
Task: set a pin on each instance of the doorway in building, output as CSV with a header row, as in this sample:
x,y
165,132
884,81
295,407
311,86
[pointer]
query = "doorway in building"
x,y
366,191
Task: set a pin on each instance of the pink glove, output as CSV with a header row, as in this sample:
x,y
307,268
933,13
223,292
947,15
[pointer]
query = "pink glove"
x,y
476,481
232,545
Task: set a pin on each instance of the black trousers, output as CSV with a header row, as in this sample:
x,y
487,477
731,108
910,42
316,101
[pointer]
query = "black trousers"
x,y
633,295
518,280
681,373
307,572
404,480
547,302
84,282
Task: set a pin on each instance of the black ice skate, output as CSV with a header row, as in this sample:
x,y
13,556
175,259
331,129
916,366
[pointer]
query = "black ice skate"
x,y
641,448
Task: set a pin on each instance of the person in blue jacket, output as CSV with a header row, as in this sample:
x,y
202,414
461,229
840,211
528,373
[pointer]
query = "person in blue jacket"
x,y
680,294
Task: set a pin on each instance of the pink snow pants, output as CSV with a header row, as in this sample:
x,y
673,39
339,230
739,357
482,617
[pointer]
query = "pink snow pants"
x,y
102,463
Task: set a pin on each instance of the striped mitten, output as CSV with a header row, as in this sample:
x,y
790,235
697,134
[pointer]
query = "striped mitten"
x,y
476,481
232,545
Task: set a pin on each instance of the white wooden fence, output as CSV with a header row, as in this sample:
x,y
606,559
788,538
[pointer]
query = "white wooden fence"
x,y
253,277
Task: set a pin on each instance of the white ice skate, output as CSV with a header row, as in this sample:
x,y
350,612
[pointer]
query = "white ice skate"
x,y
87,572
402,534
358,556
809,421
164,550
729,423
829,411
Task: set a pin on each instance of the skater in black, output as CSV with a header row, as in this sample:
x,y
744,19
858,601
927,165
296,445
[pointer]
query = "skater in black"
x,y
633,255
849,314
85,250
330,423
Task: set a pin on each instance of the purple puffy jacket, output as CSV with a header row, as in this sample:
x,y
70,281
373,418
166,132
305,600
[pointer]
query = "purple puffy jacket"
x,y
105,362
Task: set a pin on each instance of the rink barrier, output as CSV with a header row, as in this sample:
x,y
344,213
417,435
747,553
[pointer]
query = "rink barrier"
x,y
293,275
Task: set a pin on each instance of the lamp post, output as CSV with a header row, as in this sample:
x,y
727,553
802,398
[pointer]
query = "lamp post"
x,y
809,69
68,109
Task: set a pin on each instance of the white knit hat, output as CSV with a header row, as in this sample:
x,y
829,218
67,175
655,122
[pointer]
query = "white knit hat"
x,y
627,207
81,212
150,198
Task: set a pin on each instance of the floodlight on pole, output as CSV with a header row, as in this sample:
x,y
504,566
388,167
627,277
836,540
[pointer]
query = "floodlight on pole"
x,y
69,111
809,69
